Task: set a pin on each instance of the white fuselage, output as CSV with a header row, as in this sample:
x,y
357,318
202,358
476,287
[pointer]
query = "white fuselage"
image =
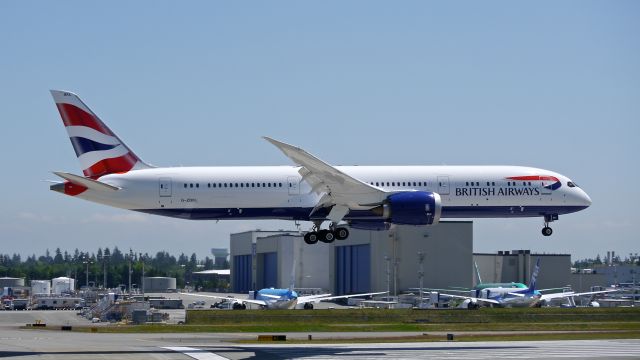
x,y
280,192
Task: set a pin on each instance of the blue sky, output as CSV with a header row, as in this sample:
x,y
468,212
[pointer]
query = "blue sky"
x,y
554,85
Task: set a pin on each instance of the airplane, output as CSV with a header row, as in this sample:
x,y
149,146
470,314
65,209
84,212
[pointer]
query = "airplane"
x,y
527,297
281,299
365,197
479,285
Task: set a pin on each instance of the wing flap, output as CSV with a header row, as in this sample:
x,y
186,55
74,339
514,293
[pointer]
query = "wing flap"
x,y
341,188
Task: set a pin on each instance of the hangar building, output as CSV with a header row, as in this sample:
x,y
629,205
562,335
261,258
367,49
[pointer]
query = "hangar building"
x,y
518,265
368,261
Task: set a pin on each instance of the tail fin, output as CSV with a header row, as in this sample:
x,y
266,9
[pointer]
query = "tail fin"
x,y
534,276
477,273
99,150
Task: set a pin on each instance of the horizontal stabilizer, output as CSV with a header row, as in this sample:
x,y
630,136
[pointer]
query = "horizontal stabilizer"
x,y
86,182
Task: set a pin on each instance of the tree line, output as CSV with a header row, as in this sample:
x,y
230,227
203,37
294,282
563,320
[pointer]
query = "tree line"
x,y
631,259
112,262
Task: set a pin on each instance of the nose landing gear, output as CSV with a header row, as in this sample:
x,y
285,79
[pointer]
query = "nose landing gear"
x,y
546,230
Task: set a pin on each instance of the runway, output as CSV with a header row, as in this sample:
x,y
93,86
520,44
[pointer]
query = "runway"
x,y
629,349
29,344
22,344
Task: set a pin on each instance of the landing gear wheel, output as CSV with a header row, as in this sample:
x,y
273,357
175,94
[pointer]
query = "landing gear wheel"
x,y
308,306
547,231
341,233
311,237
326,236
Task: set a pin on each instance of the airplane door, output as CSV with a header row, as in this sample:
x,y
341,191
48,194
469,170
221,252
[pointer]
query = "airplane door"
x,y
164,187
443,185
292,182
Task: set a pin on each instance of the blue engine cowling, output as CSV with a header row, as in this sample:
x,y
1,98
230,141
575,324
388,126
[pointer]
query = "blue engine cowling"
x,y
414,208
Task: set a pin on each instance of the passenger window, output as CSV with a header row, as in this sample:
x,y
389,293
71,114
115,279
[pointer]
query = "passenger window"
x,y
414,183
257,184
493,183
280,184
197,185
209,185
264,185
185,186
190,185
241,185
236,184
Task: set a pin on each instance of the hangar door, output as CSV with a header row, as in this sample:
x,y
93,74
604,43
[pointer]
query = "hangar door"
x,y
353,269
241,273
269,270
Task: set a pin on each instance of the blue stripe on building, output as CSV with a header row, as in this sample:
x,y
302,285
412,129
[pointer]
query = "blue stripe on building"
x,y
353,269
241,273
269,270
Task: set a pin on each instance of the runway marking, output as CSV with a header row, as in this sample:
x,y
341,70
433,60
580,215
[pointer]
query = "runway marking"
x,y
198,354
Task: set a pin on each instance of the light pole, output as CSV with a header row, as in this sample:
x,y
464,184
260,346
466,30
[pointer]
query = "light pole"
x,y
105,258
130,260
388,259
142,259
86,261
421,274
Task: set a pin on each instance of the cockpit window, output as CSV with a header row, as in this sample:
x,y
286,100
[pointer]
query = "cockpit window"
x,y
571,184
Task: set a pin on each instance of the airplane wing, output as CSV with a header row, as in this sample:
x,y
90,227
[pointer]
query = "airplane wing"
x,y
572,294
340,189
242,301
328,297
490,301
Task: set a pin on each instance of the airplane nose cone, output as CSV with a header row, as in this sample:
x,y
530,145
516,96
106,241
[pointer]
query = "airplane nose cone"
x,y
586,200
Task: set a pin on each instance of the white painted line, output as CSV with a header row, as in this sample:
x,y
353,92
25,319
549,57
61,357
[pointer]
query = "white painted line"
x,y
198,354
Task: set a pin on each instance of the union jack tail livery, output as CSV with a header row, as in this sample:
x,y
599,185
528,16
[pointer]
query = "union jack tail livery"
x,y
99,150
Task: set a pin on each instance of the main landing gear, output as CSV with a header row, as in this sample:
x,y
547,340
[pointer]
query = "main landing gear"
x,y
546,230
326,236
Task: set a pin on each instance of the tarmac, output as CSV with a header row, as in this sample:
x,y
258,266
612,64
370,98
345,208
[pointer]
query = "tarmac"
x,y
16,343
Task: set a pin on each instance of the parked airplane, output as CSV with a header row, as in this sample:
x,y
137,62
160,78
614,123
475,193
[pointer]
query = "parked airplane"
x,y
282,299
479,285
520,297
365,197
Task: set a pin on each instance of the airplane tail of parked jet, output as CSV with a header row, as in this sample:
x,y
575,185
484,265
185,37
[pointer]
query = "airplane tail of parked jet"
x,y
99,150
534,277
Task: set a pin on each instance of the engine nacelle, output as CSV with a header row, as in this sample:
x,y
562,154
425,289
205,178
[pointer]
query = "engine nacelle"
x,y
371,225
414,208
